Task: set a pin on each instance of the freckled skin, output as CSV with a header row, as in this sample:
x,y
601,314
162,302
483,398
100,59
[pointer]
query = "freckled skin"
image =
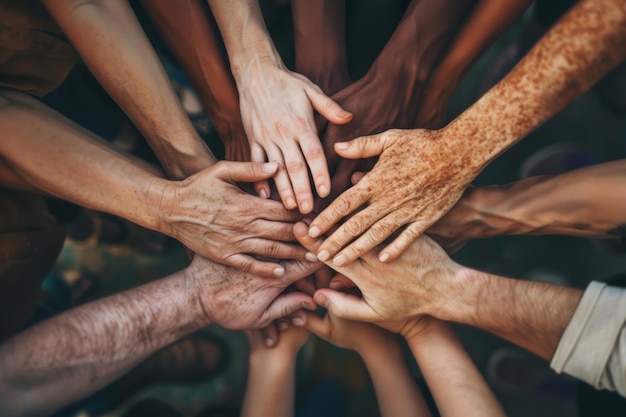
x,y
438,165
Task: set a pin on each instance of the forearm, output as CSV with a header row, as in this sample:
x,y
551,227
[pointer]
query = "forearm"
x,y
586,202
106,32
320,47
487,20
396,390
455,383
46,152
532,315
270,387
190,32
585,44
75,353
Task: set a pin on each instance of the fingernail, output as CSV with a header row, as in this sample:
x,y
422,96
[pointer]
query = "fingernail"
x,y
306,206
341,145
269,342
297,321
344,114
339,260
322,190
283,325
384,257
322,300
270,167
291,203
279,272
300,229
323,255
263,193
314,231
310,256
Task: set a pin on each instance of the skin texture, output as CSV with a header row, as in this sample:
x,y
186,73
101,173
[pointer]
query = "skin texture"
x,y
270,388
193,37
108,31
396,391
280,127
586,202
207,212
487,20
438,165
425,281
88,347
389,93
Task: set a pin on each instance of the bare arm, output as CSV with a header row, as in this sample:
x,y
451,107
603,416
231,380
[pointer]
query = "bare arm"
x,y
487,20
438,165
455,383
109,39
586,202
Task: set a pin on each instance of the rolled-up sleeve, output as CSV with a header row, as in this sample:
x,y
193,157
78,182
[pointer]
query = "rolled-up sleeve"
x,y
593,346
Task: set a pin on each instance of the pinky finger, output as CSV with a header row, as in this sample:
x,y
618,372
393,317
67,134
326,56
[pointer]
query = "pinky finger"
x,y
257,154
253,266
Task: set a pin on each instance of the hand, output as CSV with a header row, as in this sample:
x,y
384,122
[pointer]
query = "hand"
x,y
238,300
416,283
277,112
348,334
210,215
420,175
289,343
434,104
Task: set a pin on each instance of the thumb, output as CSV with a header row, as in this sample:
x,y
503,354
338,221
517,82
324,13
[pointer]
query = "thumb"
x,y
345,306
363,147
285,305
327,107
245,171
319,326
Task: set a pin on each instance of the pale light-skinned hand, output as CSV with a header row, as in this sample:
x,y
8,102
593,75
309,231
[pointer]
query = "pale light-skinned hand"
x,y
290,341
419,176
277,108
211,216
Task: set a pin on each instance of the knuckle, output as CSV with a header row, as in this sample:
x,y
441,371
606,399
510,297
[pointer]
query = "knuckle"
x,y
315,152
378,232
353,227
272,249
296,165
341,206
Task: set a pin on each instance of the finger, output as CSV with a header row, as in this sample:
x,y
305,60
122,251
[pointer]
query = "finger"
x,y
295,270
403,241
343,205
270,334
345,306
372,237
356,177
319,326
340,282
271,210
363,147
299,176
286,305
253,266
323,277
298,319
327,107
257,154
314,155
274,249
305,285
266,229
245,171
301,232
281,179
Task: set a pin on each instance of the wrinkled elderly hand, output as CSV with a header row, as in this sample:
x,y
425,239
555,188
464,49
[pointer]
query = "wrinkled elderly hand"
x,y
211,216
277,112
419,176
238,300
416,283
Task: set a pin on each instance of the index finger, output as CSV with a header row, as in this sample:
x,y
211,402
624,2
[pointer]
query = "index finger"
x,y
343,205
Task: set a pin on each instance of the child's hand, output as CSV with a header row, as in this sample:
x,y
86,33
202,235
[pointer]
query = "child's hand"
x,y
290,341
348,334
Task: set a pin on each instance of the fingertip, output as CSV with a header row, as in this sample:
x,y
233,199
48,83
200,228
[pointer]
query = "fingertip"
x,y
279,272
321,299
384,257
269,342
300,229
270,167
315,231
323,190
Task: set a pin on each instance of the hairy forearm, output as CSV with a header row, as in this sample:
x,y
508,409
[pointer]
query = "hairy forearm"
x,y
270,387
585,44
532,315
106,32
46,152
75,353
454,381
488,19
396,390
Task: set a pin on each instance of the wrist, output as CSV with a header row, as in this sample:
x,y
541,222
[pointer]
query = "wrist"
x,y
388,347
272,360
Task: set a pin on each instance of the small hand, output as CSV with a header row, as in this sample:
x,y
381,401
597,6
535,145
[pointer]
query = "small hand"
x,y
290,341
418,178
277,111
210,215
